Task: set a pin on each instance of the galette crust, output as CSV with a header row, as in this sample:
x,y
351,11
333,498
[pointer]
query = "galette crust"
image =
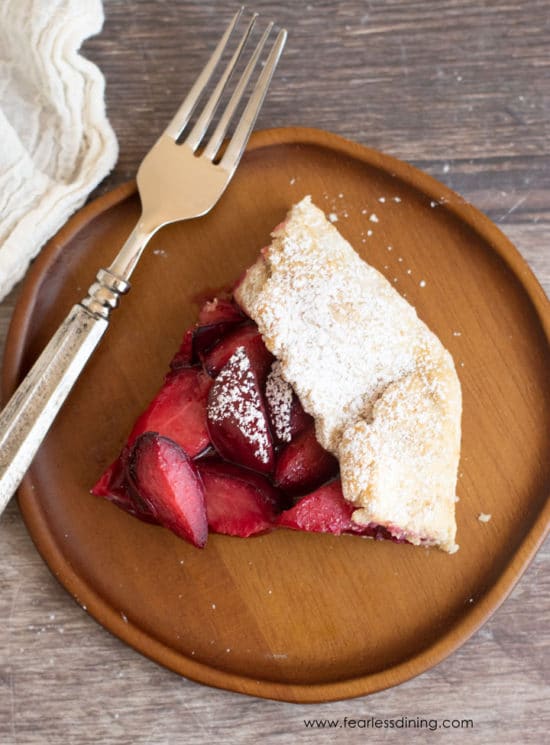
x,y
382,389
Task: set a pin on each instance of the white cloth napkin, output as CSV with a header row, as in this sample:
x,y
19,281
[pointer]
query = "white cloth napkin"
x,y
56,143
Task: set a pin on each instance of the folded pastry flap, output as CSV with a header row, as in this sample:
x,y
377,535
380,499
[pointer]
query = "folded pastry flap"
x,y
399,462
345,339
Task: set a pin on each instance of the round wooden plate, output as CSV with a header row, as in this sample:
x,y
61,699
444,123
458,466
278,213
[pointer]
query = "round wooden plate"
x,y
294,616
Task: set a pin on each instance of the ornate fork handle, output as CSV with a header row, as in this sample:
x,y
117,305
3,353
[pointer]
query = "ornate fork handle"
x,y
104,294
35,404
33,407
176,181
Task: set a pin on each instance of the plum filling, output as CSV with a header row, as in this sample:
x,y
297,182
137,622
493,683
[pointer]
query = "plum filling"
x,y
226,446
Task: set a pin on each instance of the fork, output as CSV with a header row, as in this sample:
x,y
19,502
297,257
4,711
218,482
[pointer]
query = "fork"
x,y
181,177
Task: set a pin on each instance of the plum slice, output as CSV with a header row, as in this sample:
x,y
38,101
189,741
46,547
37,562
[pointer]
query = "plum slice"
x,y
322,511
216,318
237,503
184,356
303,464
325,510
167,482
236,415
113,486
299,419
220,310
246,336
286,414
178,411
214,464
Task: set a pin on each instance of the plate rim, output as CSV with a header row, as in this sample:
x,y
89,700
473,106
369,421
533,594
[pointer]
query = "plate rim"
x,y
153,648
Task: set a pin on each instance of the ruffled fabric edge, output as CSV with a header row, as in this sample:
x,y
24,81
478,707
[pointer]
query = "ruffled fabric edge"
x,y
49,202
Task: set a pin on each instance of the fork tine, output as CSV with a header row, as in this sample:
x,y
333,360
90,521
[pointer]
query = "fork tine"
x,y
242,132
182,115
221,128
202,123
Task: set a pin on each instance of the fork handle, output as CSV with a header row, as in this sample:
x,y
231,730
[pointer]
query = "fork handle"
x,y
31,410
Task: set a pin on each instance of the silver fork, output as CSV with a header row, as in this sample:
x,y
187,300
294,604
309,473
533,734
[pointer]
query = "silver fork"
x,y
177,180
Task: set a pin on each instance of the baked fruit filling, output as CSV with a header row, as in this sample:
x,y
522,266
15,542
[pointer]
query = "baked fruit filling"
x,y
226,446
313,399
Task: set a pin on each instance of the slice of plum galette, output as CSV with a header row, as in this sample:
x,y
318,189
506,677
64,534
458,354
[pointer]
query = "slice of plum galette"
x,y
313,398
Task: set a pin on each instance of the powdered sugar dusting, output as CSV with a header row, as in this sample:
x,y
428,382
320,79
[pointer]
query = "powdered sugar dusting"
x,y
343,336
279,397
321,307
400,439
237,399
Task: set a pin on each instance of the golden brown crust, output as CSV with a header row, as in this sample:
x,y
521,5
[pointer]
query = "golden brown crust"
x,y
382,389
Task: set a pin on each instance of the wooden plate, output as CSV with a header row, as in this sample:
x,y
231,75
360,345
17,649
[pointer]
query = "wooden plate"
x,y
294,616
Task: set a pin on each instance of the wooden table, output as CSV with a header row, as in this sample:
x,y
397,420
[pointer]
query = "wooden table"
x,y
462,90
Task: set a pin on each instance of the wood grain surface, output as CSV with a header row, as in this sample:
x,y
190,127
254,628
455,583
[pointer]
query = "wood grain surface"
x,y
460,89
